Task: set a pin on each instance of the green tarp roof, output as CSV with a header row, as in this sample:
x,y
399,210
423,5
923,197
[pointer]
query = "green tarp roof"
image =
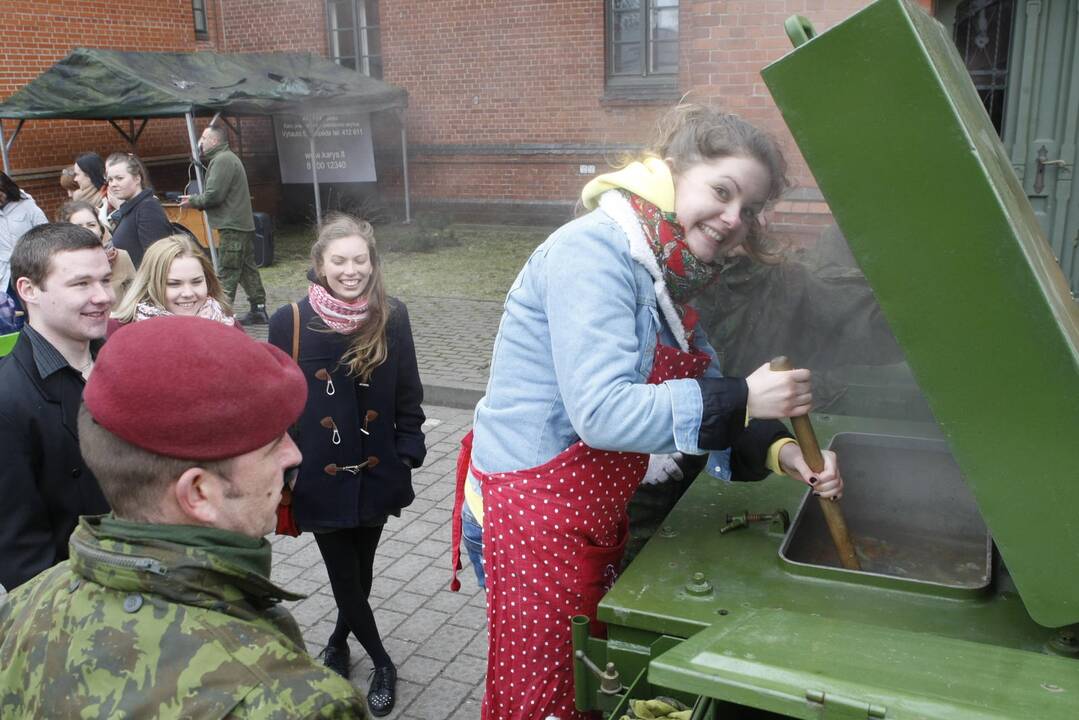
x,y
104,84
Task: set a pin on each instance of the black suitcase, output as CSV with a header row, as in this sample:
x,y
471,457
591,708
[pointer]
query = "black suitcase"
x,y
263,239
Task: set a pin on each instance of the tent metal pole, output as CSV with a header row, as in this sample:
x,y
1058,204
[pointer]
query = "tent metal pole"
x,y
314,168
314,180
404,164
3,149
198,178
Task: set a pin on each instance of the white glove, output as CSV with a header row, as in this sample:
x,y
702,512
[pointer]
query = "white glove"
x,y
662,468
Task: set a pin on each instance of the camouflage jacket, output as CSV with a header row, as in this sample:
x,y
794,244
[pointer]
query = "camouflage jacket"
x,y
154,621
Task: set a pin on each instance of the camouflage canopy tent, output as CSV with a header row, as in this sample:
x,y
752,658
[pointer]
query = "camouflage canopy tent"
x,y
93,84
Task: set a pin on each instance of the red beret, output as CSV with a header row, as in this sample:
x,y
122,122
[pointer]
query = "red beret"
x,y
192,388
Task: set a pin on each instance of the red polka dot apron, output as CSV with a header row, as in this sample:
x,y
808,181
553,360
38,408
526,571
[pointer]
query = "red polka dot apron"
x,y
553,538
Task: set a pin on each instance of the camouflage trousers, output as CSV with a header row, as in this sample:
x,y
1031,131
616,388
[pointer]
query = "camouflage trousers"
x,y
237,266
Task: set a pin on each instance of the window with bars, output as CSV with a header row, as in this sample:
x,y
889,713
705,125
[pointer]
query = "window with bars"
x,y
642,44
983,31
198,11
353,36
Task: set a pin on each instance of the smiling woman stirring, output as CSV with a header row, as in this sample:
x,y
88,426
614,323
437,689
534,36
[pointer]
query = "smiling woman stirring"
x,y
598,364
359,432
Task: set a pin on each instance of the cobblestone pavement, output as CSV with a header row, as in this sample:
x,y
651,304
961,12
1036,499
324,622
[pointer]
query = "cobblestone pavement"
x,y
437,638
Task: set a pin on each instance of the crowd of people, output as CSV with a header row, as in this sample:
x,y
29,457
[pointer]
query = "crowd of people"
x,y
153,446
115,199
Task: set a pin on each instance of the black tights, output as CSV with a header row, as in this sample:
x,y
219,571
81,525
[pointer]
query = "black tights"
x,y
350,556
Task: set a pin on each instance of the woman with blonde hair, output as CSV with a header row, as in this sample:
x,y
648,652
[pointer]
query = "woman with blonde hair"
x,y
175,278
360,432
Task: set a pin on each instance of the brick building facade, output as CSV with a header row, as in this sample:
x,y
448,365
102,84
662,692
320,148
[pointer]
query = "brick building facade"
x,y
510,104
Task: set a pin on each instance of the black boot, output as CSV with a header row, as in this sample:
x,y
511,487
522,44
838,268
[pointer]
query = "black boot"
x,y
257,316
383,692
336,658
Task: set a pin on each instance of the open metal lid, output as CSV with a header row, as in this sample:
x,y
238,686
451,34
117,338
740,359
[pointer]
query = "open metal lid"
x,y
893,130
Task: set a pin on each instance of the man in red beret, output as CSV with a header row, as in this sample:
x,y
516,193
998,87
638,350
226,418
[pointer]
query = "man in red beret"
x,y
168,599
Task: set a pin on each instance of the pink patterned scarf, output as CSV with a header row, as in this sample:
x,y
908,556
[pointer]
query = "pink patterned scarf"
x,y
340,316
211,310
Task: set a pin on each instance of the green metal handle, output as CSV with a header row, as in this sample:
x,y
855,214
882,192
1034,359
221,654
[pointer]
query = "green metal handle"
x,y
581,696
799,30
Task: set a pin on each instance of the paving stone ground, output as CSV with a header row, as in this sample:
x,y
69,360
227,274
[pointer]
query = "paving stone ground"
x,y
437,638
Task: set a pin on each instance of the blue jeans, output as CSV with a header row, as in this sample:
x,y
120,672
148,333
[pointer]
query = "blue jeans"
x,y
472,535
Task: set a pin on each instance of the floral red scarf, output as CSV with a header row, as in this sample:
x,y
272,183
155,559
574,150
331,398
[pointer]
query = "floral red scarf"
x,y
684,275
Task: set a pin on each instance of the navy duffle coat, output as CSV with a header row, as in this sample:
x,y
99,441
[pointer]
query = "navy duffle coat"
x,y
338,427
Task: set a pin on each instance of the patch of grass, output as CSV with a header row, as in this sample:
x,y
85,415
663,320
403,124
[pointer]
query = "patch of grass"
x,y
427,234
478,263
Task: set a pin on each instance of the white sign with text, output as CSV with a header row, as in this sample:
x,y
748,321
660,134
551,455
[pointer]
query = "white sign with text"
x,y
343,148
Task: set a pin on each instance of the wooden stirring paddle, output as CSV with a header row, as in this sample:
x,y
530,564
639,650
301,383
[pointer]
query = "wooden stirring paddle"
x,y
833,514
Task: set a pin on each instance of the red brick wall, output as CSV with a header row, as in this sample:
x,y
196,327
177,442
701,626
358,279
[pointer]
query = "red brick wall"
x,y
273,26
483,72
506,73
38,33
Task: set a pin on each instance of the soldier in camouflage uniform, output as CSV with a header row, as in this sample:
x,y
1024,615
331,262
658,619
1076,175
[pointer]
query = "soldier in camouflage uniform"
x,y
165,608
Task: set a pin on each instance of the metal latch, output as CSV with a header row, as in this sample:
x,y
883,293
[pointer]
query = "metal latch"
x,y
837,707
610,682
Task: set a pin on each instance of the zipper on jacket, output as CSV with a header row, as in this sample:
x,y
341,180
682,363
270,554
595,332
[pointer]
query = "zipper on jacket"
x,y
143,564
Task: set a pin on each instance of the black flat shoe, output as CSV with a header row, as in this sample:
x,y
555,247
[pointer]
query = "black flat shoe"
x,y
383,692
336,658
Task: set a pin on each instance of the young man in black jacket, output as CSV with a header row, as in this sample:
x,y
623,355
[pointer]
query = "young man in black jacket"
x,y
62,276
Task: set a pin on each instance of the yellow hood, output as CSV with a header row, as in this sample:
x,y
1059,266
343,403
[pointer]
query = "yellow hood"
x,y
650,179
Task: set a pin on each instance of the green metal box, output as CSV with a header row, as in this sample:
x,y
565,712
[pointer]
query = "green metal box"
x,y
889,123
945,235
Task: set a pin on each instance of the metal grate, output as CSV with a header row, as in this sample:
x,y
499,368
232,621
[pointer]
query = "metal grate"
x,y
983,31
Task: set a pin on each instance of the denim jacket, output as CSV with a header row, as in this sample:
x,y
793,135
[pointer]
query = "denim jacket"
x,y
574,349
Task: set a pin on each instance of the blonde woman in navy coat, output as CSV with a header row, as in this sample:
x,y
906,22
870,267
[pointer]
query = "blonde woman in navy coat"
x,y
360,432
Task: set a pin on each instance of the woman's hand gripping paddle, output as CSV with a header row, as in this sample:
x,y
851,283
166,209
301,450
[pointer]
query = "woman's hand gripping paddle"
x,y
833,515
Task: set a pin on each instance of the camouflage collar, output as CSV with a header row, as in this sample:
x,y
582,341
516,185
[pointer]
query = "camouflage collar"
x,y
196,566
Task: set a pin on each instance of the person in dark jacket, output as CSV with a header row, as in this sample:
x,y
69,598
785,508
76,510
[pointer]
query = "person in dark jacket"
x,y
62,274
227,202
140,221
360,432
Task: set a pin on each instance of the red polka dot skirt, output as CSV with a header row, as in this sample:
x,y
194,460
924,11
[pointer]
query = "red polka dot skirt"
x,y
553,538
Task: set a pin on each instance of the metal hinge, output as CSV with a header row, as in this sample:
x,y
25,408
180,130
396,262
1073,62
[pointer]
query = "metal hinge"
x,y
836,707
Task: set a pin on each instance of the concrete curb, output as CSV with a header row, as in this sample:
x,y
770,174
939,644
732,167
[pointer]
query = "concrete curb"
x,y
461,398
